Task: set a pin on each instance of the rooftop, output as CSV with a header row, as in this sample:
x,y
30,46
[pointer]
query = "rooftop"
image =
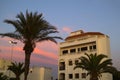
x,y
81,33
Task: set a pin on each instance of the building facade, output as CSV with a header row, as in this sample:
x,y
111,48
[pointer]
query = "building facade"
x,y
74,46
40,73
35,73
4,66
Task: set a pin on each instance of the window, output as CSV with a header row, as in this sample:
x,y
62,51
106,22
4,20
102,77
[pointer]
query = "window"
x,y
70,76
72,50
65,51
83,48
78,49
70,62
77,75
90,47
62,76
94,46
62,66
76,61
83,75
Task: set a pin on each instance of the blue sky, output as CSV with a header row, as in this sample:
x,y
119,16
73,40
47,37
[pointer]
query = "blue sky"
x,y
70,15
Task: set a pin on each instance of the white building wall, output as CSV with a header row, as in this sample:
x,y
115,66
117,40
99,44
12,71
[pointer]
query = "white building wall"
x,y
40,73
4,66
102,47
48,72
35,73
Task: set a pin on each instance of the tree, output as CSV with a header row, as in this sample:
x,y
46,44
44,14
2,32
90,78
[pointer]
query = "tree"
x,y
3,77
30,29
95,65
17,69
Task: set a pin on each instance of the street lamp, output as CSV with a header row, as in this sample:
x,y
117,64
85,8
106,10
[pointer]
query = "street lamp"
x,y
12,44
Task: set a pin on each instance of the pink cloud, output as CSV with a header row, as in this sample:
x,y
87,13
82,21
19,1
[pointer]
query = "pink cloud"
x,y
6,53
48,46
20,58
9,49
67,29
46,49
45,53
36,51
7,39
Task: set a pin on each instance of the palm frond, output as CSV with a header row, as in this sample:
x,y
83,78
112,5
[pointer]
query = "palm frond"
x,y
95,64
105,63
48,38
79,65
22,19
16,24
11,35
109,69
16,68
3,77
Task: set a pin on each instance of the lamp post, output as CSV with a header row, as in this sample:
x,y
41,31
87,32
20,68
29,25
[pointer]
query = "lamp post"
x,y
12,44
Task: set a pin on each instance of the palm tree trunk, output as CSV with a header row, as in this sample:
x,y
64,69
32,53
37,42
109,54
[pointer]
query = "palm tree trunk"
x,y
93,77
27,62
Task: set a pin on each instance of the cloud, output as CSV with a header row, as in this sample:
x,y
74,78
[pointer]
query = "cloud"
x,y
5,38
48,46
16,49
46,52
67,29
9,52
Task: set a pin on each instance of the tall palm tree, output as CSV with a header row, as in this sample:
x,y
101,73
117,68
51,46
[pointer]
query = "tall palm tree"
x,y
30,29
17,69
95,65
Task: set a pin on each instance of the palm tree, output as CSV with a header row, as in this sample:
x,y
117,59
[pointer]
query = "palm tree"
x,y
30,29
95,65
3,77
17,69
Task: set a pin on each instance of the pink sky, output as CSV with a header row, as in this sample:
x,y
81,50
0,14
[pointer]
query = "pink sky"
x,y
47,49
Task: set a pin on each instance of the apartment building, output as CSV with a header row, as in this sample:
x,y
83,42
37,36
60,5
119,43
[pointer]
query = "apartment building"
x,y
74,46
